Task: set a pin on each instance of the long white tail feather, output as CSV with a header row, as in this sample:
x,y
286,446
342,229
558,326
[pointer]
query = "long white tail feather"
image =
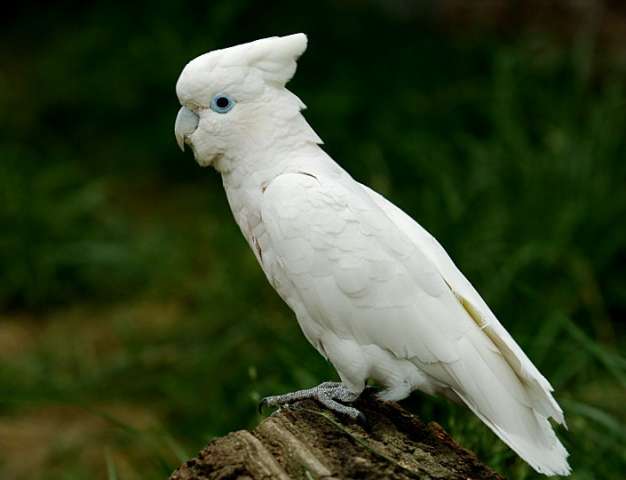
x,y
550,459
486,383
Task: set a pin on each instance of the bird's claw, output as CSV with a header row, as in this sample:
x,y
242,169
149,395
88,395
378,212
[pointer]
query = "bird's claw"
x,y
363,422
329,394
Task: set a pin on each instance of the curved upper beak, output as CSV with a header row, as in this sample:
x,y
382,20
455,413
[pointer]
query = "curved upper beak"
x,y
186,123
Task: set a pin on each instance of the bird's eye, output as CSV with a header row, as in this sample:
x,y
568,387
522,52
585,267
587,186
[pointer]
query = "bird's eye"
x,y
222,103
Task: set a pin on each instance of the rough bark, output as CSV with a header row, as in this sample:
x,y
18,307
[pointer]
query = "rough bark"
x,y
305,441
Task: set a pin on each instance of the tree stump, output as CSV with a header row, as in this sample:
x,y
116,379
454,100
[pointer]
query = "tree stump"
x,y
306,441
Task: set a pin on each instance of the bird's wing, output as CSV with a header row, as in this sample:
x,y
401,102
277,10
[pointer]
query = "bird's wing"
x,y
538,386
353,267
361,275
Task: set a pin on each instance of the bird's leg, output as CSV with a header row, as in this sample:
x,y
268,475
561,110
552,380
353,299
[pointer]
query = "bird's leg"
x,y
328,394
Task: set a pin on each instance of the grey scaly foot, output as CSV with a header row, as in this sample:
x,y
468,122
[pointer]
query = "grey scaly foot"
x,y
328,394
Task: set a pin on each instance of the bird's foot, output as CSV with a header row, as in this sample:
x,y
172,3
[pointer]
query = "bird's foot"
x,y
328,394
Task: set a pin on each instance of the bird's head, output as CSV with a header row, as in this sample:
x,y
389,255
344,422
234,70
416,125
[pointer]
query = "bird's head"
x,y
234,100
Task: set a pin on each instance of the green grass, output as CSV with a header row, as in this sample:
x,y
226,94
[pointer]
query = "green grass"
x,y
136,324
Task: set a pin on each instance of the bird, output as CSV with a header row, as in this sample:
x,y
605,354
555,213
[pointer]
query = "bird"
x,y
373,292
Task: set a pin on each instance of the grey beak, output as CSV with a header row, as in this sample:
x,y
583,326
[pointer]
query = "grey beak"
x,y
186,124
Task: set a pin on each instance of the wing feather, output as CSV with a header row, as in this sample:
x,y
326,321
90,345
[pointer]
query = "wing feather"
x,y
353,280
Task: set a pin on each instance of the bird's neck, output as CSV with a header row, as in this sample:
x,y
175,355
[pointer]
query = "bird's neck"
x,y
246,183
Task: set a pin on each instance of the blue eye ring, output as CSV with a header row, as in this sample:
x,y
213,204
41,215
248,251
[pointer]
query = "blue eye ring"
x,y
222,103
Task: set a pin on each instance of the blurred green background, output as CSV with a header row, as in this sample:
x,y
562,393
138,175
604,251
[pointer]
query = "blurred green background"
x,y
135,324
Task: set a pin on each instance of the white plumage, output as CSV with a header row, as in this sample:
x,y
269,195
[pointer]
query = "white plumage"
x,y
372,290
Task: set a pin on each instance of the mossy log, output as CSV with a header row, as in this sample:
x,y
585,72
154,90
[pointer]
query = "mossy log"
x,y
306,441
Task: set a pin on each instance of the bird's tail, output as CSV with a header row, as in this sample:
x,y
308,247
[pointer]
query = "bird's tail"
x,y
539,447
487,384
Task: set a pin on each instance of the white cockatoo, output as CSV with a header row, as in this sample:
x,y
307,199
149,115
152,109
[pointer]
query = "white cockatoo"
x,y
373,291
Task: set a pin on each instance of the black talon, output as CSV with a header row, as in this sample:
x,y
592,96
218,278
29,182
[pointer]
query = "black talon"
x,y
362,421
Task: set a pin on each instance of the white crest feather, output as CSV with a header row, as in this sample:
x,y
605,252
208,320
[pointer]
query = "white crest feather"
x,y
276,56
